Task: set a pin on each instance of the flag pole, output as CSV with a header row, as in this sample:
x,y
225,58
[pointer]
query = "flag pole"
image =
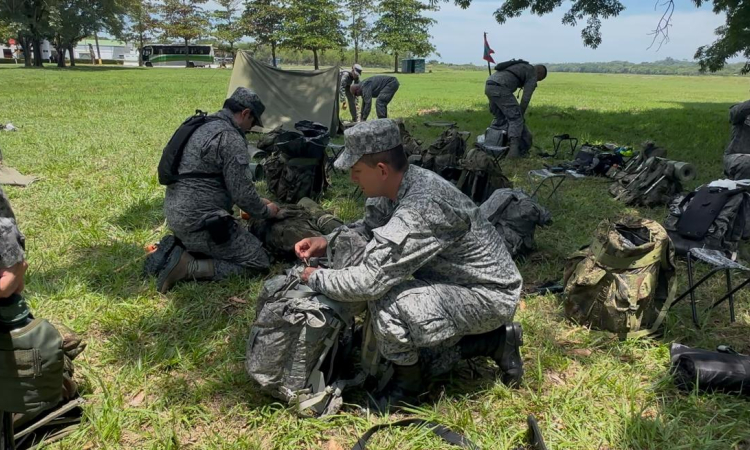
x,y
489,69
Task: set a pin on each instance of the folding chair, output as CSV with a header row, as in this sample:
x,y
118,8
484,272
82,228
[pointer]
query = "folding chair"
x,y
546,177
335,151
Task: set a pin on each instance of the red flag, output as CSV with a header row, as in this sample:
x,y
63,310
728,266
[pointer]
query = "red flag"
x,y
488,51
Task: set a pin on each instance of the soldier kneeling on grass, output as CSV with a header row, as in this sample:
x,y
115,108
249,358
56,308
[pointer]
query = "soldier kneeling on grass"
x,y
436,276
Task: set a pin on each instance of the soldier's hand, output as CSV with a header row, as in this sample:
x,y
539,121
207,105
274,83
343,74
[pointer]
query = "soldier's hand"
x,y
311,247
273,208
11,279
307,272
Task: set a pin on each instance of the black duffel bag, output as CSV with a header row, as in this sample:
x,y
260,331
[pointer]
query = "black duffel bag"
x,y
722,371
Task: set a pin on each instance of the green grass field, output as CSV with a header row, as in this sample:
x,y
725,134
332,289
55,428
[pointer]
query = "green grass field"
x,y
167,371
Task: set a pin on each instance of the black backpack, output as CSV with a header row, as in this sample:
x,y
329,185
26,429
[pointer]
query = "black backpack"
x,y
172,153
507,64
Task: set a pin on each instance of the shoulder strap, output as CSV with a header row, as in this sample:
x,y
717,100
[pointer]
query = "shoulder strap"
x,y
444,433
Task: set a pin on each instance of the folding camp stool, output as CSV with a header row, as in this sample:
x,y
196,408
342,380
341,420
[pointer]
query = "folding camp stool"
x,y
546,177
495,153
335,151
719,263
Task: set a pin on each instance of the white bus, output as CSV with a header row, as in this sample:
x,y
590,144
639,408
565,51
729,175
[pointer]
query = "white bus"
x,y
174,55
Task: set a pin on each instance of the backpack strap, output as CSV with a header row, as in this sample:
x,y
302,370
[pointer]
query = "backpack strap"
x,y
441,431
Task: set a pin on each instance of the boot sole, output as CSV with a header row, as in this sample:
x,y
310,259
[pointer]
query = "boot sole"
x,y
174,259
512,378
156,261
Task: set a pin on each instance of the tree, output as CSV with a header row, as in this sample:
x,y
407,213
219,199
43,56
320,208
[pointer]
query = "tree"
x,y
142,24
263,21
314,25
733,38
229,27
32,17
359,28
183,19
402,28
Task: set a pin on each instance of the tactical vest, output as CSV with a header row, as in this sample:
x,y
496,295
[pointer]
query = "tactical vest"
x,y
624,282
297,165
172,154
480,176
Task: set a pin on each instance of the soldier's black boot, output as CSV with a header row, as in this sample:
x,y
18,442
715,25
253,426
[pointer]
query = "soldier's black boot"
x,y
402,389
503,346
181,265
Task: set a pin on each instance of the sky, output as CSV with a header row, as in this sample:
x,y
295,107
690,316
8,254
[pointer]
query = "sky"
x,y
457,35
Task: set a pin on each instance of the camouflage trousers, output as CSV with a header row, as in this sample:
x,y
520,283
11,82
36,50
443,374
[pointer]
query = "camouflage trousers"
x,y
243,253
418,315
385,97
505,108
352,102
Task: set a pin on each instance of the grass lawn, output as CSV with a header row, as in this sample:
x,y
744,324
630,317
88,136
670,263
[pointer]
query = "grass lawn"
x,y
167,371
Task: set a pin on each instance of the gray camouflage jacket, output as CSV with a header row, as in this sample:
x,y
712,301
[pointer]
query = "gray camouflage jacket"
x,y
371,88
740,141
12,241
432,232
218,147
346,82
511,79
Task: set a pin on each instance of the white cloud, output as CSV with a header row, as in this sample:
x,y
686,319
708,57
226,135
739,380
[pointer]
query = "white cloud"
x,y
458,36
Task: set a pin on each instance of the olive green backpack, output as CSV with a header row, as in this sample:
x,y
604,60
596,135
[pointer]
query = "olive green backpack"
x,y
624,282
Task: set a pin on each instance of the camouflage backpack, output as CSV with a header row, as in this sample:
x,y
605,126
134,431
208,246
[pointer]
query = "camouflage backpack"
x,y
624,282
515,216
411,145
300,343
296,167
480,176
655,183
443,156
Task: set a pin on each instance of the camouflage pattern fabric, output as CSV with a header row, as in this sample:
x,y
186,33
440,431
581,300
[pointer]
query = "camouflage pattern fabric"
x,y
624,282
515,216
368,138
411,145
346,82
480,176
382,87
737,166
500,90
445,152
12,241
654,184
464,281
739,117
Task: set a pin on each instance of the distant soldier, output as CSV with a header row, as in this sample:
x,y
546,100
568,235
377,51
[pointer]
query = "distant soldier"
x,y
382,87
348,78
500,88
737,154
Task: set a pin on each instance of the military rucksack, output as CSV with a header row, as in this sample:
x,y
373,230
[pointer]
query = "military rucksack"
x,y
172,154
296,167
507,64
624,282
655,183
714,218
411,145
515,216
443,155
480,175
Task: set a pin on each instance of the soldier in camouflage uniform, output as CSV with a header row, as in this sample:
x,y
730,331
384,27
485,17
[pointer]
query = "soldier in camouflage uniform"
x,y
349,78
737,154
500,88
13,308
434,270
199,210
382,87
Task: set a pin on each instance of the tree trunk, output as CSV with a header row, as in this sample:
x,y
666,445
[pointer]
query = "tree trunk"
x,y
315,58
98,51
140,50
187,54
395,62
356,51
72,56
23,42
37,44
273,53
61,49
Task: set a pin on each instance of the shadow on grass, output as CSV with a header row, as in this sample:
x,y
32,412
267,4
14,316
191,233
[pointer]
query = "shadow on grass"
x,y
146,214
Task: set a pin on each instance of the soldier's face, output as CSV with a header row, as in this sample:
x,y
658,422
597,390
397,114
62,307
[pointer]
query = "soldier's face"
x,y
370,179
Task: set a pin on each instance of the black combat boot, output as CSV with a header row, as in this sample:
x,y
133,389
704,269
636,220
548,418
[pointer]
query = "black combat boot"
x,y
502,345
402,389
181,265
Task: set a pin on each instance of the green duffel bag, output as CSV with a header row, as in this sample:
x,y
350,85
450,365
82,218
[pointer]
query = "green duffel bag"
x,y
31,368
624,282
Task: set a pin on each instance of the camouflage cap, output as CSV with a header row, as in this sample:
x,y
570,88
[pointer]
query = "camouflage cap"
x,y
366,138
247,98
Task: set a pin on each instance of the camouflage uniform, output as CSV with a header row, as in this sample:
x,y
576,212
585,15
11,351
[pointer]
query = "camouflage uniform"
x,y
346,82
434,269
218,147
12,252
737,154
500,88
383,87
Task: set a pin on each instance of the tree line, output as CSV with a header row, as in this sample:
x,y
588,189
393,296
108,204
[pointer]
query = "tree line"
x,y
319,28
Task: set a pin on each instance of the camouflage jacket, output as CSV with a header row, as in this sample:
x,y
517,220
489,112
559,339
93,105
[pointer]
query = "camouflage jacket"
x,y
371,88
739,116
346,82
217,147
511,79
432,232
12,241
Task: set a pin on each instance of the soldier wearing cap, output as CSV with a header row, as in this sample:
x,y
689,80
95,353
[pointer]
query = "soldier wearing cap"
x,y
382,87
199,209
436,276
348,78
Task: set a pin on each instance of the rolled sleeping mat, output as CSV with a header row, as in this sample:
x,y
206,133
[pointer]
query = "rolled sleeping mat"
x,y
683,171
710,371
257,171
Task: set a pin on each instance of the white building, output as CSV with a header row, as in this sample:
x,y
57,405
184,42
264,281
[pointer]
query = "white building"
x,y
110,50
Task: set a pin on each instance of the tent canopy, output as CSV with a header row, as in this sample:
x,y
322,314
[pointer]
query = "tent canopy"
x,y
289,95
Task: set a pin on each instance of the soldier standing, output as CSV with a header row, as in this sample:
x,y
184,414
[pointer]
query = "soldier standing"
x,y
215,175
349,78
435,273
